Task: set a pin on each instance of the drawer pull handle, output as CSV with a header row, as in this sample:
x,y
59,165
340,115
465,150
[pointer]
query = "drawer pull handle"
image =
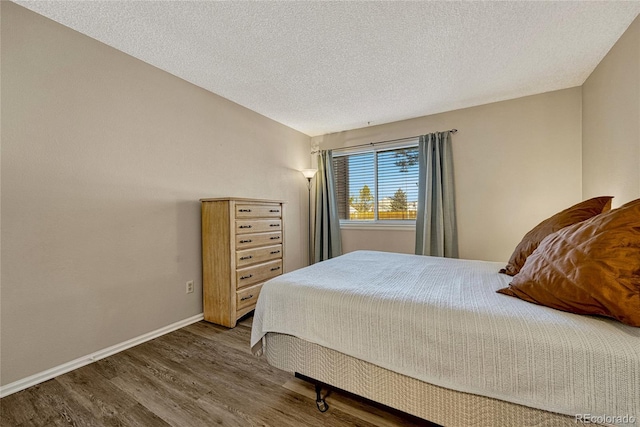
x,y
274,225
246,298
245,226
246,241
246,257
275,237
274,210
246,277
275,269
245,210
275,252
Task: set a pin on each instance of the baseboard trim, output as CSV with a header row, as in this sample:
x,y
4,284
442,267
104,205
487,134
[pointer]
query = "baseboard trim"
x,y
90,358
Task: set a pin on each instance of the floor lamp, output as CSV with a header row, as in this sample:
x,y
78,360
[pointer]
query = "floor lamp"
x,y
309,174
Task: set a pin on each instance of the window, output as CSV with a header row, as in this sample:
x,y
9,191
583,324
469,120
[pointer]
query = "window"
x,y
377,185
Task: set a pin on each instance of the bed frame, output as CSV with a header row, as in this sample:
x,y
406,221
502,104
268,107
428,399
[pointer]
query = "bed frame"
x,y
437,404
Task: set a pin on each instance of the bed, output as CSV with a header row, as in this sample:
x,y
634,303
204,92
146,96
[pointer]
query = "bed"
x,y
431,337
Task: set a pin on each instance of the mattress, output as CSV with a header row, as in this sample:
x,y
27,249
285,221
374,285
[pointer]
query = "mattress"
x,y
440,321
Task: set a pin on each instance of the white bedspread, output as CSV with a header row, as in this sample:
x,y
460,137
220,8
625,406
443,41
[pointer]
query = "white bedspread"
x,y
441,321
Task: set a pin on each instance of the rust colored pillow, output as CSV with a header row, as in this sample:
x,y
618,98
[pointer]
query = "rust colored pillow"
x,y
588,268
573,215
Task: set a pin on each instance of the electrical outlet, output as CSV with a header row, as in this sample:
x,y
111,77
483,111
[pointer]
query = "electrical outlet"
x,y
190,286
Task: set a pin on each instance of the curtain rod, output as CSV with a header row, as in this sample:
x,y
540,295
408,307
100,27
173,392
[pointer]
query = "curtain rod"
x,y
371,144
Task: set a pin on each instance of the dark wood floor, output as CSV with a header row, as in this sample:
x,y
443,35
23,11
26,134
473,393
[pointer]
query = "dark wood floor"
x,y
200,375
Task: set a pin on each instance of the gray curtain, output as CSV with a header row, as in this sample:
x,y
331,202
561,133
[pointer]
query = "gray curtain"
x,y
436,231
327,240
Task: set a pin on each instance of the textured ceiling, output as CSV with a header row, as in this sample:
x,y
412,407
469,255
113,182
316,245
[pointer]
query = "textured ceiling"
x,y
322,67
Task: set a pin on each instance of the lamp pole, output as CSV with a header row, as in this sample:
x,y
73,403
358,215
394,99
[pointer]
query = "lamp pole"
x,y
309,174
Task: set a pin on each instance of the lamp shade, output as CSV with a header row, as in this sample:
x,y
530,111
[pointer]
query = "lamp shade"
x,y
309,173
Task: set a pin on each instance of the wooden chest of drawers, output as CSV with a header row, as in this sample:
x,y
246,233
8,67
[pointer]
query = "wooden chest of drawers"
x,y
242,247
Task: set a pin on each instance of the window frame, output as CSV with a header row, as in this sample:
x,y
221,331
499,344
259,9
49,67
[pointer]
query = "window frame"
x,y
377,224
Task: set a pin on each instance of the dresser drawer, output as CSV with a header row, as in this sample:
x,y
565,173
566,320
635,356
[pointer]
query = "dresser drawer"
x,y
258,273
257,225
256,255
258,211
247,297
244,241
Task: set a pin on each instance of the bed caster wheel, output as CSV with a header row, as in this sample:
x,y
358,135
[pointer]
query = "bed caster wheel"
x,y
322,405
320,402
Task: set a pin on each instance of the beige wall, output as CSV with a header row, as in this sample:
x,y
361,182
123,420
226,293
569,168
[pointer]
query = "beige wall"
x,y
104,159
401,240
611,122
516,162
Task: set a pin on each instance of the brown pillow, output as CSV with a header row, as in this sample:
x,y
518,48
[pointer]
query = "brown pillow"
x,y
576,213
588,268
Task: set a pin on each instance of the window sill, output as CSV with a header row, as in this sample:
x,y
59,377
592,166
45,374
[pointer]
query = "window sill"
x,y
357,225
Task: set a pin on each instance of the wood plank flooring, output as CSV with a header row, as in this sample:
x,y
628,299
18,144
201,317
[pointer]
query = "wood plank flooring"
x,y
200,375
